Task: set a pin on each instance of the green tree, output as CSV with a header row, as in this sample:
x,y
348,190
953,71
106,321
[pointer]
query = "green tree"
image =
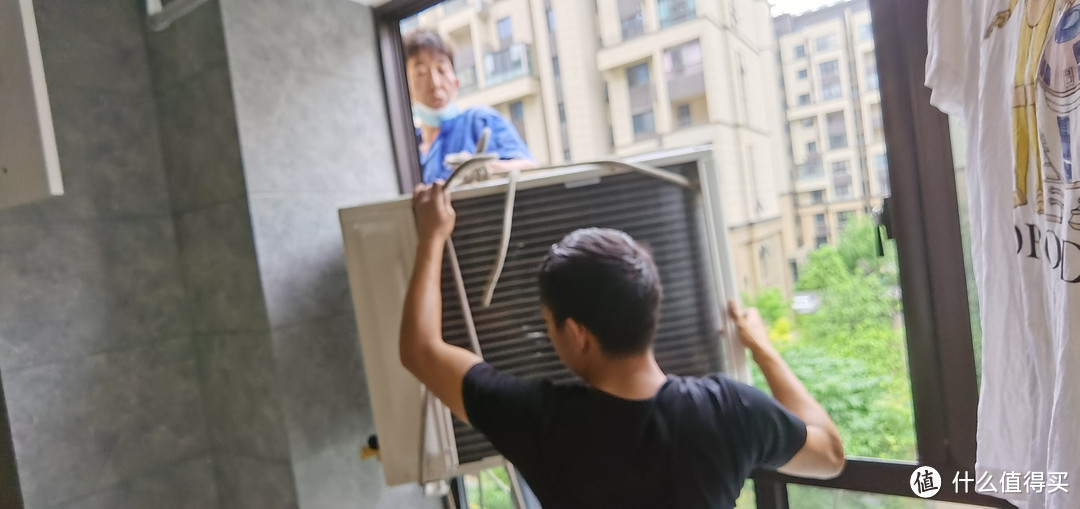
x,y
850,352
825,269
770,302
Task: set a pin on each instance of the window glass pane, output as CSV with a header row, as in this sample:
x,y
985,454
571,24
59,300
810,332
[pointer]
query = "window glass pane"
x,y
866,33
746,498
672,12
801,74
804,99
830,68
800,51
643,124
841,328
631,20
836,128
813,497
870,70
825,42
638,75
490,489
506,30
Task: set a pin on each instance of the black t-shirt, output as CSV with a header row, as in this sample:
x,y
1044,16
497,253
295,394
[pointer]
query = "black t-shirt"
x,y
691,445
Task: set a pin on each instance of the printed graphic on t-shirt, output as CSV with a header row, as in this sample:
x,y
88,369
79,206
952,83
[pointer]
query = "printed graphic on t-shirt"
x,y
1046,128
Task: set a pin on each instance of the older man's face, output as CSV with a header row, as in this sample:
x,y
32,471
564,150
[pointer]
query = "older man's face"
x,y
432,81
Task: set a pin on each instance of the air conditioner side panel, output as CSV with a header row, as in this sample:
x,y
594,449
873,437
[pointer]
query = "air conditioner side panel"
x,y
380,247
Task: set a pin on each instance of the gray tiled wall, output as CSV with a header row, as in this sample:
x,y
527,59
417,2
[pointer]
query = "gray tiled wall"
x,y
230,325
96,351
314,138
176,330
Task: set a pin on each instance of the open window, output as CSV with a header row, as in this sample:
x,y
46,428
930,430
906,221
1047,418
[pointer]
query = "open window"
x,y
633,79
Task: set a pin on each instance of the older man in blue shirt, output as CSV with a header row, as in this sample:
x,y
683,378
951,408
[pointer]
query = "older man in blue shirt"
x,y
444,129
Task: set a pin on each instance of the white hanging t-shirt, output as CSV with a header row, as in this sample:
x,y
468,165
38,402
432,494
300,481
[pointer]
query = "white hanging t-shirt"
x,y
1009,70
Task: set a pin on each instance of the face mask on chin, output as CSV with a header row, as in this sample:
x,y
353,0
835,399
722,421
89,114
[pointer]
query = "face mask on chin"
x,y
432,117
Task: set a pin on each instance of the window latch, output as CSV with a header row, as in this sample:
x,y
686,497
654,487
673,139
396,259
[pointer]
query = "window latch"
x,y
882,219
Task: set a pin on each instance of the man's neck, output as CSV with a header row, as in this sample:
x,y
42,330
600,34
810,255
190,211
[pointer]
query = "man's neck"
x,y
637,377
428,135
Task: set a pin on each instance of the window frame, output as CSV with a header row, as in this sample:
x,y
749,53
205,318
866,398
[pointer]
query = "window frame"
x,y
923,213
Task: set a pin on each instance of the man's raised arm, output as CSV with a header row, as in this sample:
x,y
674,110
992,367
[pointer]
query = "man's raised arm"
x,y
438,365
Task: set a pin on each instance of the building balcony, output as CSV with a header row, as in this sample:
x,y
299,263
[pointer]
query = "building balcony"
x,y
509,63
673,12
686,82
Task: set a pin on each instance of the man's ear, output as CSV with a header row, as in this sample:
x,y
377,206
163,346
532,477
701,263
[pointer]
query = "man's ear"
x,y
580,336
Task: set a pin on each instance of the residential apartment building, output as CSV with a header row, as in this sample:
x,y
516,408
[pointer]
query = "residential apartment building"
x,y
835,125
584,79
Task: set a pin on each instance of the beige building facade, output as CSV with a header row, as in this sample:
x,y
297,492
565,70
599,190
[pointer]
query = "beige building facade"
x,y
835,124
618,78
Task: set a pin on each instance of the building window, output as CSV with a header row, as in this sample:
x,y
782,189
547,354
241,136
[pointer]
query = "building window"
x,y
804,99
866,32
550,19
877,123
644,124
672,12
630,18
811,148
801,74
821,231
566,154
881,169
800,51
808,122
683,59
817,197
506,32
842,182
684,115
638,75
831,87
843,218
830,68
870,68
517,117
837,130
562,113
555,67
825,42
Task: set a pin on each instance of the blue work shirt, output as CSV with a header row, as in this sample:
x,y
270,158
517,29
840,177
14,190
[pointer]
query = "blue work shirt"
x,y
461,133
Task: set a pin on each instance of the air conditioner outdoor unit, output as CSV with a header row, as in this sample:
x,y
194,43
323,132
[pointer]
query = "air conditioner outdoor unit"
x,y
683,225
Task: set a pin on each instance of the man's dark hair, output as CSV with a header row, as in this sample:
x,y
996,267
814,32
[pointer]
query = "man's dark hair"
x,y
424,39
606,282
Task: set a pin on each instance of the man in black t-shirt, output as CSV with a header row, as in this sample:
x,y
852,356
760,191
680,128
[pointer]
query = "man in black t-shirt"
x,y
633,436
